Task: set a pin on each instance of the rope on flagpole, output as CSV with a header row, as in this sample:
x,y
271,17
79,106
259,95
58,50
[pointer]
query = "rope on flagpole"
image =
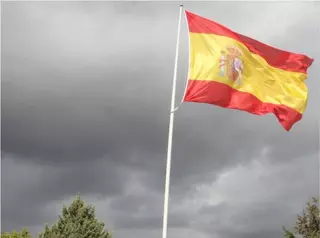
x,y
169,151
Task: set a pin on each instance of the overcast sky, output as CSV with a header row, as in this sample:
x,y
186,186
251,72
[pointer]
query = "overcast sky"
x,y
86,90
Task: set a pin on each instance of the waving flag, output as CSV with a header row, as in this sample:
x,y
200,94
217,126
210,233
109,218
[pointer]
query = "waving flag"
x,y
231,70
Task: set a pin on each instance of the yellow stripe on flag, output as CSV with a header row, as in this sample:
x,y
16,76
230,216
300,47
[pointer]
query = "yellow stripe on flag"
x,y
267,83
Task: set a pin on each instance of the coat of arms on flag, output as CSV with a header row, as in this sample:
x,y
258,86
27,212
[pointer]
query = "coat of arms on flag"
x,y
231,64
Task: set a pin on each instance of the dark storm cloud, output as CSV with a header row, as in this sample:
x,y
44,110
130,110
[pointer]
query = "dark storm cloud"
x,y
150,222
86,90
256,202
249,222
82,110
28,190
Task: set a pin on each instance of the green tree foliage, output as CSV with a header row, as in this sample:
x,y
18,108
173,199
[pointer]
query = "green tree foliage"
x,y
308,222
77,221
14,234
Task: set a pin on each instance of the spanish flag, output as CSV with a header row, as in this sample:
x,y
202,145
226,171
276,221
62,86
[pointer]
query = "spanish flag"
x,y
231,70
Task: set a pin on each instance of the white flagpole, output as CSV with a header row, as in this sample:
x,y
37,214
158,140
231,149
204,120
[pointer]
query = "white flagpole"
x,y
172,109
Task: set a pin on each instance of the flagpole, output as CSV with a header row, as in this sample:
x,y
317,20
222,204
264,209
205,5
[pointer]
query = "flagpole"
x,y
319,159
169,151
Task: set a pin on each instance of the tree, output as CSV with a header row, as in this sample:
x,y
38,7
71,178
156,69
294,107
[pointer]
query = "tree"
x,y
308,222
77,221
14,234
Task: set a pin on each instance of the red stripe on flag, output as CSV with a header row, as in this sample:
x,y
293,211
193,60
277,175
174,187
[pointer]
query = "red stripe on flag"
x,y
220,94
275,57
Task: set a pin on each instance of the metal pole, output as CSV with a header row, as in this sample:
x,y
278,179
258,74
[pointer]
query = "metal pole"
x,y
169,151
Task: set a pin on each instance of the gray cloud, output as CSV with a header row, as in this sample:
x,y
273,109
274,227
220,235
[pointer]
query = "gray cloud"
x,y
85,99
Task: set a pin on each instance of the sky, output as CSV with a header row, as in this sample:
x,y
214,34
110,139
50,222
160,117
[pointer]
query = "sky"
x,y
86,90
